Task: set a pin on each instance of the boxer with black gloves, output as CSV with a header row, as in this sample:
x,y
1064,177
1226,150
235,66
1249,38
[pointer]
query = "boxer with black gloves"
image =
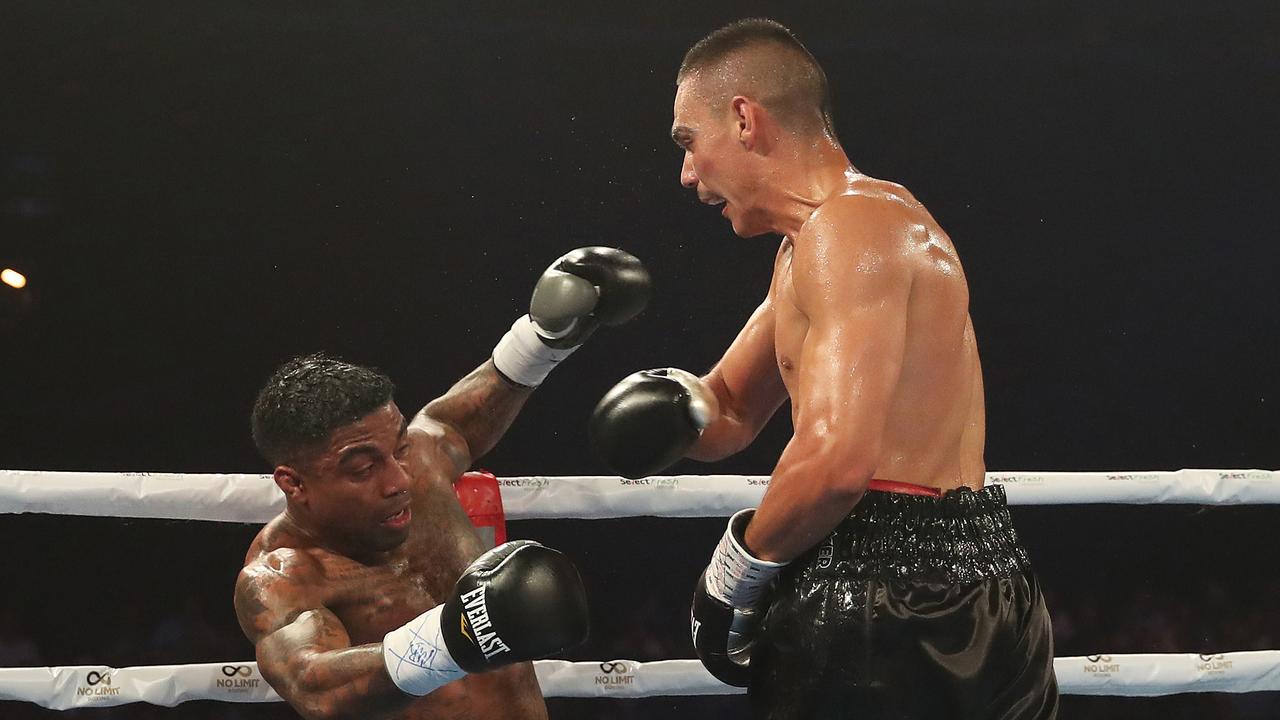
x,y
889,577
520,601
645,423
365,597
580,291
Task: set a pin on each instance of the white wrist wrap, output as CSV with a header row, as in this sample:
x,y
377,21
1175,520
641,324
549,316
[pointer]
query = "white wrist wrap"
x,y
523,357
734,577
416,657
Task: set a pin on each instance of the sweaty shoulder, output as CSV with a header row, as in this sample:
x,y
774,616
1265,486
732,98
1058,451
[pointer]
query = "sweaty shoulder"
x,y
437,452
275,587
867,210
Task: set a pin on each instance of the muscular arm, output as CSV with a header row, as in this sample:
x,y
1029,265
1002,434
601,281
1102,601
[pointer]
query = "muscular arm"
x,y
853,284
305,653
473,415
748,387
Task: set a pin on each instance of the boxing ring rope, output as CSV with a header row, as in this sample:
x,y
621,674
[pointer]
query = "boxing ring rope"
x,y
64,688
254,498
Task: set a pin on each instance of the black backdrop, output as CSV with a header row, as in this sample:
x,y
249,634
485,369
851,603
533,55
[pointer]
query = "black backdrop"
x,y
199,191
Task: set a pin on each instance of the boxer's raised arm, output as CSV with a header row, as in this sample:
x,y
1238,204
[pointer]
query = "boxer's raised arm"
x,y
580,291
473,415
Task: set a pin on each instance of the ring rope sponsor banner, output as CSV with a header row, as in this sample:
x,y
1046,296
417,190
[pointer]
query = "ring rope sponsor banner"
x,y
1148,675
64,688
255,498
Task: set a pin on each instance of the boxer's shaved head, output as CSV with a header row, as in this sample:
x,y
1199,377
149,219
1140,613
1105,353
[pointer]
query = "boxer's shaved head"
x,y
761,60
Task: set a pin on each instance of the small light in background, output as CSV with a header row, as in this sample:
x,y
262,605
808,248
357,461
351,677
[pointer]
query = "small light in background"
x,y
13,278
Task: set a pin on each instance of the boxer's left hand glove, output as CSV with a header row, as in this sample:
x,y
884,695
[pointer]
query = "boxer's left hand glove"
x,y
580,291
728,604
650,419
517,602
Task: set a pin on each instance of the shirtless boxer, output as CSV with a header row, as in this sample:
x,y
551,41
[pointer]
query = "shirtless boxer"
x,y
904,596
362,598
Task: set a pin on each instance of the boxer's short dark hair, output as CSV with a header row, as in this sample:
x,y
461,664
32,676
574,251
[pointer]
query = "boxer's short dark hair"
x,y
798,95
308,398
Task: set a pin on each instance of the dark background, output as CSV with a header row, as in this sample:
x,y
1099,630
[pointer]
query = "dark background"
x,y
196,192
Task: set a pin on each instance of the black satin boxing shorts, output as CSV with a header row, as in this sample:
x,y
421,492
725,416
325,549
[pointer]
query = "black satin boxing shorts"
x,y
914,607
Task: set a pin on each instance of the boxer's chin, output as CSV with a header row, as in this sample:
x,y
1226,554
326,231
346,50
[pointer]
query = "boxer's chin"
x,y
745,227
389,537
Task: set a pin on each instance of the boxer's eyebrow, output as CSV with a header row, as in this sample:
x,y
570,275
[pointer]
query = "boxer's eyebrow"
x,y
349,454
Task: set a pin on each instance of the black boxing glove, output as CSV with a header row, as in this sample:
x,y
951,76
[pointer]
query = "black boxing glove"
x,y
729,602
650,419
580,291
517,602
586,288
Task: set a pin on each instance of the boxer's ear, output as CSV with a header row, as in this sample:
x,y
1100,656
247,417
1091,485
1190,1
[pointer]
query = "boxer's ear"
x,y
290,482
750,118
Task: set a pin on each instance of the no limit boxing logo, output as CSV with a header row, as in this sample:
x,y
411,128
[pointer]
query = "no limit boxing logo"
x,y
1213,664
98,685
1100,665
615,675
238,678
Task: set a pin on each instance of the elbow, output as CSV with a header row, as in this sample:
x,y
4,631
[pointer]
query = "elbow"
x,y
843,468
311,697
850,477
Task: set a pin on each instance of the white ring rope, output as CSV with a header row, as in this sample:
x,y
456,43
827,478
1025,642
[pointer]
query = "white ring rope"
x,y
255,498
64,688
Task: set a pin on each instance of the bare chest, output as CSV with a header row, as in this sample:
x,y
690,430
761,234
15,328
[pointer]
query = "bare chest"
x,y
791,326
373,600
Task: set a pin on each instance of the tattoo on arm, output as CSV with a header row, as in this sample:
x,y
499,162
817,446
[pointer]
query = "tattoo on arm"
x,y
306,654
479,407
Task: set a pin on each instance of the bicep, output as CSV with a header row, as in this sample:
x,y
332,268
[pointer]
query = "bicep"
x,y
851,358
746,381
434,444
283,655
284,624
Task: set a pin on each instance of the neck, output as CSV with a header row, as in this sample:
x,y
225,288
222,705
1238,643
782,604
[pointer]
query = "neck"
x,y
299,525
807,175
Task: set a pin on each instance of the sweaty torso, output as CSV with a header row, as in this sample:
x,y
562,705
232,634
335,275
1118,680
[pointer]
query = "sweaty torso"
x,y
373,599
935,429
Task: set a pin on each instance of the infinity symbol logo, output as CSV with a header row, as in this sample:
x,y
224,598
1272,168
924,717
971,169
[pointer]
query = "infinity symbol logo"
x,y
94,677
234,670
613,667
1099,658
1207,658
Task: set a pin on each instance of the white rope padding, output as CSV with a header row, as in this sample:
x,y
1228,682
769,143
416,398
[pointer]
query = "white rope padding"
x,y
64,688
255,498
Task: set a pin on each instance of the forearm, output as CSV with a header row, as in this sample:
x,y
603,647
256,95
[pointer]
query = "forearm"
x,y
348,683
738,422
480,407
809,494
723,437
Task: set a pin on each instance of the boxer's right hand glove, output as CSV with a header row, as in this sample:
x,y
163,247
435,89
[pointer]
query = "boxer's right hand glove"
x,y
650,419
580,291
729,603
519,601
